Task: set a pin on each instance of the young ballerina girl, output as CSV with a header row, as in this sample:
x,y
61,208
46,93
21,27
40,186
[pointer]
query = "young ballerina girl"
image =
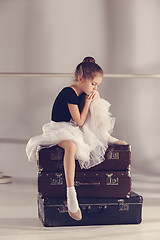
x,y
81,124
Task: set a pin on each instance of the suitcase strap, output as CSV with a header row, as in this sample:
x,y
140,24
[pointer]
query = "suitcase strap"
x,y
97,209
110,180
92,210
78,183
58,180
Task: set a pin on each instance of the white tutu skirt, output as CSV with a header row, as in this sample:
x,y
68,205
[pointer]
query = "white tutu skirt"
x,y
91,139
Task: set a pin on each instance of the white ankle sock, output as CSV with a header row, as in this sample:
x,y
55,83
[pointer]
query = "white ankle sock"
x,y
72,201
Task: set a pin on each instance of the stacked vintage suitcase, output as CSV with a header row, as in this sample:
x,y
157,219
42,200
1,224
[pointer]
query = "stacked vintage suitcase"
x,y
104,191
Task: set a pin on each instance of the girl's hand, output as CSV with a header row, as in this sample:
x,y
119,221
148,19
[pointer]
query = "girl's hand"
x,y
120,142
93,96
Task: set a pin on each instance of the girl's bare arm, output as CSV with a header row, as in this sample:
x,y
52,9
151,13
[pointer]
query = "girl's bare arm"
x,y
80,118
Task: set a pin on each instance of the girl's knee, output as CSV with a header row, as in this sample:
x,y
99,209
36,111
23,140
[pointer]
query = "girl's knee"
x,y
68,145
71,146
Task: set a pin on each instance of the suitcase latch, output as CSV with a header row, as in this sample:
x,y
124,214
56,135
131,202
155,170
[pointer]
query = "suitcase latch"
x,y
110,180
63,208
112,155
58,180
123,206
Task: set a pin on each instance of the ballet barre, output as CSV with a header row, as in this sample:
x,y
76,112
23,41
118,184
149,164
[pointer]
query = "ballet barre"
x,y
14,74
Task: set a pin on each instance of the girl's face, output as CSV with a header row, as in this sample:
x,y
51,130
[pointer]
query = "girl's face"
x,y
89,85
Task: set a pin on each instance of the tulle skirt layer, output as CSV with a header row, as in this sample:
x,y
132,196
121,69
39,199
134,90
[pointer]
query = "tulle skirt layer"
x,y
91,139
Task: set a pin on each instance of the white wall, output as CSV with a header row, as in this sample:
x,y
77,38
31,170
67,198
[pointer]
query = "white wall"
x,y
54,36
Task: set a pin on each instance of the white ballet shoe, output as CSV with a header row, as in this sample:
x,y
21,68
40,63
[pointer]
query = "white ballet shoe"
x,y
75,215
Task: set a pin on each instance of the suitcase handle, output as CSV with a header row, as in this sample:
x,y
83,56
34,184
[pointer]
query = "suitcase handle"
x,y
78,183
94,212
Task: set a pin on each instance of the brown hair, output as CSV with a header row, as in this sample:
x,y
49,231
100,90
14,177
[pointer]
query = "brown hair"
x,y
88,68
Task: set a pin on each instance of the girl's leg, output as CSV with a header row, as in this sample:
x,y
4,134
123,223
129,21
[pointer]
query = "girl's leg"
x,y
69,161
69,169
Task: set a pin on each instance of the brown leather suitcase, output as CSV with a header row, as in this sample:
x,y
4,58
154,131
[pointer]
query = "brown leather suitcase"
x,y
53,212
117,157
96,184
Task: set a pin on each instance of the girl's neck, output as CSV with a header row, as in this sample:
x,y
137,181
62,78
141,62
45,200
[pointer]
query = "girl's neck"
x,y
76,88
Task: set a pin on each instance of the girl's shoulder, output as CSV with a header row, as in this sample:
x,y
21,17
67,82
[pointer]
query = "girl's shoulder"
x,y
68,93
68,90
65,90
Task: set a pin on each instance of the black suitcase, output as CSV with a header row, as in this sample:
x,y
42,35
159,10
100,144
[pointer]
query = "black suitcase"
x,y
104,211
99,184
117,157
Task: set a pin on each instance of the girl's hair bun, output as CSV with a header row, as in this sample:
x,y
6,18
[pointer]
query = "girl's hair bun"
x,y
89,60
88,69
